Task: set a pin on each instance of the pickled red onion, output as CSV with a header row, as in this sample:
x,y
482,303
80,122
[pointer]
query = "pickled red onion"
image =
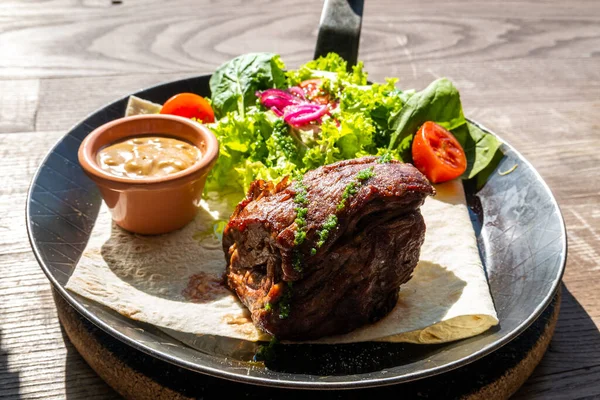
x,y
296,110
304,114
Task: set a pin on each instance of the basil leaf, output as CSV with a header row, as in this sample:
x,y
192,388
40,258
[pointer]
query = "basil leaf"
x,y
480,148
439,102
234,84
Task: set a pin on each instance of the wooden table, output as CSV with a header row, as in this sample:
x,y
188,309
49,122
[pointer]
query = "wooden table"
x,y
528,70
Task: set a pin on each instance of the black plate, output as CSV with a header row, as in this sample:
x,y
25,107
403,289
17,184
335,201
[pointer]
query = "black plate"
x,y
520,232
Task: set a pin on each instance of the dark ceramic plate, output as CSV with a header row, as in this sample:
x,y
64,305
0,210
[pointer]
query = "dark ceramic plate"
x,y
520,232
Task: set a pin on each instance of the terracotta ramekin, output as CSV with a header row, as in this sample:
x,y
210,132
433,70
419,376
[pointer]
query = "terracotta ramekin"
x,y
151,205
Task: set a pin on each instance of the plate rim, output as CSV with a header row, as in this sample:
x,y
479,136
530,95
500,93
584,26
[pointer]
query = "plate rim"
x,y
283,383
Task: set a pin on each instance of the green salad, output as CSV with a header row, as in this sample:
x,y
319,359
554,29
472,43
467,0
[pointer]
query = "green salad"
x,y
273,123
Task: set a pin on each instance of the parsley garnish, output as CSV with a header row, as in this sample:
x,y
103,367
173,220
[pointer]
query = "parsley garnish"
x,y
328,226
300,221
285,305
297,261
352,188
266,352
301,199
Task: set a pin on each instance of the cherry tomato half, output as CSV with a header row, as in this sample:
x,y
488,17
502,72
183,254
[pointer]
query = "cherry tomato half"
x,y
189,105
437,153
313,91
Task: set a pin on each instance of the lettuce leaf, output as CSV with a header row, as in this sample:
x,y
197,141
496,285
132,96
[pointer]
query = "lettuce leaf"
x,y
331,68
352,138
439,102
234,84
358,127
378,102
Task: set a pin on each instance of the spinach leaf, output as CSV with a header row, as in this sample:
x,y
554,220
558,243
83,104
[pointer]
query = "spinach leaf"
x,y
234,84
482,177
479,146
438,102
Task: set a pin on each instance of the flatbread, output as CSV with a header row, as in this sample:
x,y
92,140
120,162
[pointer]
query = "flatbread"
x,y
172,280
137,106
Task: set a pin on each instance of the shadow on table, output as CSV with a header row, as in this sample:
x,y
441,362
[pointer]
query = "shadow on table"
x,y
81,381
10,382
575,347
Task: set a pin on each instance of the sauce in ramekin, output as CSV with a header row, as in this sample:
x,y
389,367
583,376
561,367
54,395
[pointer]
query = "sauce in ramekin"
x,y
148,157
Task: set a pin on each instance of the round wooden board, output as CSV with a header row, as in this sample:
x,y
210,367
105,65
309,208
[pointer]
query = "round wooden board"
x,y
136,375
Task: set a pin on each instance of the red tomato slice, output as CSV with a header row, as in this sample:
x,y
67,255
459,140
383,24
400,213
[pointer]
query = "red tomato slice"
x,y
437,153
189,105
312,90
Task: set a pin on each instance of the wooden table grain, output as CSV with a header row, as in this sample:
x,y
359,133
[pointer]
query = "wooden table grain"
x,y
529,70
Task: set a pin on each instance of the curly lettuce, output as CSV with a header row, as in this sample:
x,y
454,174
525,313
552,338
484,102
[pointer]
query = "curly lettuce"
x,y
253,146
333,70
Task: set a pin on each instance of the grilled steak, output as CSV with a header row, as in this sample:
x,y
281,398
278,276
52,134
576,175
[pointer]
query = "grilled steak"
x,y
326,254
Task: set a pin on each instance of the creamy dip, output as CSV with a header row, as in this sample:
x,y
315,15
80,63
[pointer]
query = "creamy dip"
x,y
148,157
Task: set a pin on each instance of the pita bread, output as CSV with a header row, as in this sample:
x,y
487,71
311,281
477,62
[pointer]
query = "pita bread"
x,y
171,280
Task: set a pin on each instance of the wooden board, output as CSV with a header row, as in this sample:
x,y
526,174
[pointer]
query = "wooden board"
x,y
136,375
529,70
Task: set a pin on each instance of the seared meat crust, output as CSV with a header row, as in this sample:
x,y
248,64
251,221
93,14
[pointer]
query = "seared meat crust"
x,y
306,291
